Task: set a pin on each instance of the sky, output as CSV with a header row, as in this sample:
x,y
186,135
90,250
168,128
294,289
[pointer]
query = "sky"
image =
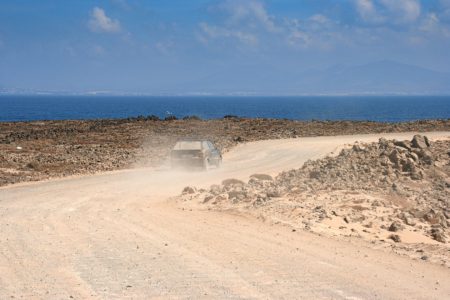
x,y
134,45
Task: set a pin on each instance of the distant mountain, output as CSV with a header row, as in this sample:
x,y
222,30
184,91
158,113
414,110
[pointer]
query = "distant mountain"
x,y
383,77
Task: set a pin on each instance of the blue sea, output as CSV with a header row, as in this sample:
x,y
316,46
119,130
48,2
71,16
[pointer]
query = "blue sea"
x,y
359,108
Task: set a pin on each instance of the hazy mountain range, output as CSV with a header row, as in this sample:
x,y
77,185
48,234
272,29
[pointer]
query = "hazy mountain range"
x,y
383,77
378,77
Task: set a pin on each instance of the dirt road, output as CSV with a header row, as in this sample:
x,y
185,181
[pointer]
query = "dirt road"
x,y
114,236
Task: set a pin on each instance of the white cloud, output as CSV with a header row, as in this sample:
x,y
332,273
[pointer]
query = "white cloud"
x,y
216,32
403,11
165,47
319,18
66,48
316,32
98,50
100,23
388,11
122,4
368,11
432,26
247,12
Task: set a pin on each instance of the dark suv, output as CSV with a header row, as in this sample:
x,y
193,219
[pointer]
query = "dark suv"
x,y
195,153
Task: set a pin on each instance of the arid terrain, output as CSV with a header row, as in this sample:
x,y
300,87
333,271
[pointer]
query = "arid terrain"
x,y
31,151
335,217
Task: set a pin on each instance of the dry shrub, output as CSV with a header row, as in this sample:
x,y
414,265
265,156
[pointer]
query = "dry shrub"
x,y
358,207
262,176
231,181
358,201
354,207
398,200
33,165
351,193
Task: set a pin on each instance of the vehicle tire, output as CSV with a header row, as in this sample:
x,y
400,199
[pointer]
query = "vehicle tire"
x,y
219,163
206,165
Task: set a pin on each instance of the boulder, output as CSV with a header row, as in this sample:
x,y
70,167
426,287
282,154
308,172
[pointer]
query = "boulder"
x,y
396,226
420,141
404,144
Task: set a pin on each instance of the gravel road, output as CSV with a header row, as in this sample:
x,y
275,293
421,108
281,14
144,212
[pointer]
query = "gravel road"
x,y
115,236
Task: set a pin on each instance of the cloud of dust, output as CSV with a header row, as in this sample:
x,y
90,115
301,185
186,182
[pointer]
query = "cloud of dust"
x,y
152,173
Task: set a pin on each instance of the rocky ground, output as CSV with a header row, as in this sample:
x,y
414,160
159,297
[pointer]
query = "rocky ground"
x,y
31,151
392,194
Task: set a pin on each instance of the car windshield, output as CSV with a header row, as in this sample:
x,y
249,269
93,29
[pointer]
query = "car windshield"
x,y
188,145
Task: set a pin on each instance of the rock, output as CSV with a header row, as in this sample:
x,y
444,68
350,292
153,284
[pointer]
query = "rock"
x,y
419,142
396,226
404,144
221,197
395,157
236,194
192,190
425,257
314,175
395,237
206,200
438,236
357,148
410,221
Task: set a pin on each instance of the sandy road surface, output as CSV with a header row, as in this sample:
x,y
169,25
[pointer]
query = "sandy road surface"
x,y
114,236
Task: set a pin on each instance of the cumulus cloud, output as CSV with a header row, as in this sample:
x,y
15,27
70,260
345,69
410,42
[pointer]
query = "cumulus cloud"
x,y
315,32
166,47
251,13
403,11
122,4
388,11
216,32
368,11
98,50
100,23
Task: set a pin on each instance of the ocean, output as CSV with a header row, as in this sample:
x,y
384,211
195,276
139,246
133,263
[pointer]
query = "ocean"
x,y
389,109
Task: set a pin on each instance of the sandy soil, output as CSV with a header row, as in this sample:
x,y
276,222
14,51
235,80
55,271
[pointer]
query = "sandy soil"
x,y
115,236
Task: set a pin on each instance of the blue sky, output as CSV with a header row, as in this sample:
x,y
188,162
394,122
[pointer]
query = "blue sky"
x,y
127,44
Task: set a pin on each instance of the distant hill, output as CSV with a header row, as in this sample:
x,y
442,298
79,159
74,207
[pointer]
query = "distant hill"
x,y
383,77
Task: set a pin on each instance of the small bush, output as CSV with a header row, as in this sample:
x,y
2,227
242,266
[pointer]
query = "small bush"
x,y
33,165
262,176
231,181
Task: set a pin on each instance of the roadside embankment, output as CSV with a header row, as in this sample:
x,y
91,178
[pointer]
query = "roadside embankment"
x,y
394,194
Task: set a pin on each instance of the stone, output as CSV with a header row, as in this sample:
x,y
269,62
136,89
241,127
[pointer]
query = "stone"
x,y
410,222
404,144
314,175
395,237
419,141
396,226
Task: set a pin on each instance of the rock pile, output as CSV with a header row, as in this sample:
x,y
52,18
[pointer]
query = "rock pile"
x,y
64,148
388,190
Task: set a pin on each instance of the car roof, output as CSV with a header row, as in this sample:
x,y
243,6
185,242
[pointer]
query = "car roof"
x,y
183,140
